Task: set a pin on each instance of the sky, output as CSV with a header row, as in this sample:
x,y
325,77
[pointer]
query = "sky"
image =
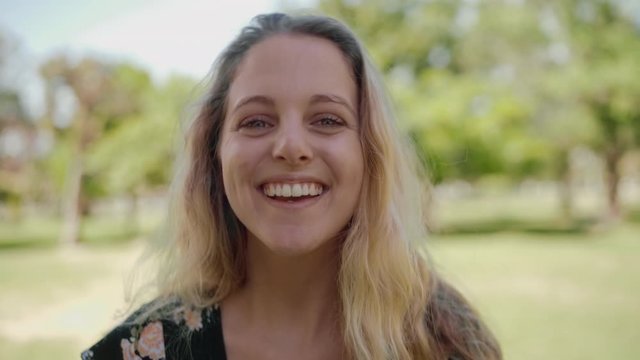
x,y
162,36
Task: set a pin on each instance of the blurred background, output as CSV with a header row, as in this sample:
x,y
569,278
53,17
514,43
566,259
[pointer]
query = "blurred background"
x,y
526,114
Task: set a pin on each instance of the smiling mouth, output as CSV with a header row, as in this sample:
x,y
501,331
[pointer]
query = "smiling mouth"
x,y
292,192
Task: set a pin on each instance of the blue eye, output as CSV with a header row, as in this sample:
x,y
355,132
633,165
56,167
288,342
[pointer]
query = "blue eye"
x,y
255,124
329,121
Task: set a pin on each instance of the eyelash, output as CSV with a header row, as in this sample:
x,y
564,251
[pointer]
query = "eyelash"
x,y
260,123
336,121
251,123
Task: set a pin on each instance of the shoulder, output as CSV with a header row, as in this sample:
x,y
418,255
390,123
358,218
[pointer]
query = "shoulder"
x,y
456,328
156,331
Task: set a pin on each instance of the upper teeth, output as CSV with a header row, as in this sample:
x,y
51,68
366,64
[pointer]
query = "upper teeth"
x,y
292,190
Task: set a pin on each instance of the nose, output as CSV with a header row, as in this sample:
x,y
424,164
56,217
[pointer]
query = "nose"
x,y
292,143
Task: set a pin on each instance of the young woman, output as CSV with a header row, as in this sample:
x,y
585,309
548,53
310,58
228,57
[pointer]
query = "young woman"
x,y
297,219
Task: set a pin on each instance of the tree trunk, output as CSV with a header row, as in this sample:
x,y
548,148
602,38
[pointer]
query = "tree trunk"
x,y
15,208
70,234
612,159
565,190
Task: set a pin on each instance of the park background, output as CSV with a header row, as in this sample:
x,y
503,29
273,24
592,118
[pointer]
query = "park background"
x,y
526,114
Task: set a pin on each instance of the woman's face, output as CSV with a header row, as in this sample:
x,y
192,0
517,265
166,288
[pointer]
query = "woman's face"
x,y
291,157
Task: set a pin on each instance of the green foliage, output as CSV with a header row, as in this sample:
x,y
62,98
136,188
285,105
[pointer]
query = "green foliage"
x,y
468,127
56,163
138,153
128,137
504,87
11,107
484,88
129,87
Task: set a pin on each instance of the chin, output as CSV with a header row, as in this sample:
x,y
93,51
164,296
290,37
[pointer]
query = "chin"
x,y
293,243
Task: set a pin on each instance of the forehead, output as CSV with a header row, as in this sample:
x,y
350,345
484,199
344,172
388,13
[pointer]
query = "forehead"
x,y
292,66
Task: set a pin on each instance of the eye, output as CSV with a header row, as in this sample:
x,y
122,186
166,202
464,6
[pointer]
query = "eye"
x,y
329,121
254,123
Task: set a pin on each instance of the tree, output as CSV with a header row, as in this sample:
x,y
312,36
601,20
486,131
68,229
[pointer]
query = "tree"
x,y
97,107
607,47
17,132
135,157
508,87
451,68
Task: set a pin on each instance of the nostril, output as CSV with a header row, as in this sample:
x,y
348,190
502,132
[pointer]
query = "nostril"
x,y
293,150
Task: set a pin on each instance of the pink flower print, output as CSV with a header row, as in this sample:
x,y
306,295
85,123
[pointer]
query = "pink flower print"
x,y
151,341
128,350
193,318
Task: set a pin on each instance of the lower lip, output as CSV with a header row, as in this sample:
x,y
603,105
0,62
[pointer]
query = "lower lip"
x,y
294,204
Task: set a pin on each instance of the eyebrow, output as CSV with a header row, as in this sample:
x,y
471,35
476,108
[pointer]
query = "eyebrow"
x,y
331,98
254,99
318,98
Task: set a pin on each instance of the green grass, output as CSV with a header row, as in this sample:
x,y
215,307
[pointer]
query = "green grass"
x,y
58,300
55,302
43,232
552,297
547,292
550,289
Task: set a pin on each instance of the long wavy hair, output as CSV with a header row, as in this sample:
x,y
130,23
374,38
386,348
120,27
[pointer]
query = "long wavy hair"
x,y
393,304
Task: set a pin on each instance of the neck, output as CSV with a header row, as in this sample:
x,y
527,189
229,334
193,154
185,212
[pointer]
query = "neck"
x,y
297,291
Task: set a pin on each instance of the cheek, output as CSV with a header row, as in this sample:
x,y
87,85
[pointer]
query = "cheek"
x,y
346,163
355,172
232,165
347,157
239,161
234,169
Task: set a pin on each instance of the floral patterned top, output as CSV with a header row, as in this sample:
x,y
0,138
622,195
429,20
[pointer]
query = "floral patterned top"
x,y
189,333
178,331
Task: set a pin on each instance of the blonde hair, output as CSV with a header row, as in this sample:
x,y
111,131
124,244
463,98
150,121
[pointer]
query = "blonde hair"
x,y
393,305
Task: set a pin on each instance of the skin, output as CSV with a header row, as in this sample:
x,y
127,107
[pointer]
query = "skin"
x,y
292,116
